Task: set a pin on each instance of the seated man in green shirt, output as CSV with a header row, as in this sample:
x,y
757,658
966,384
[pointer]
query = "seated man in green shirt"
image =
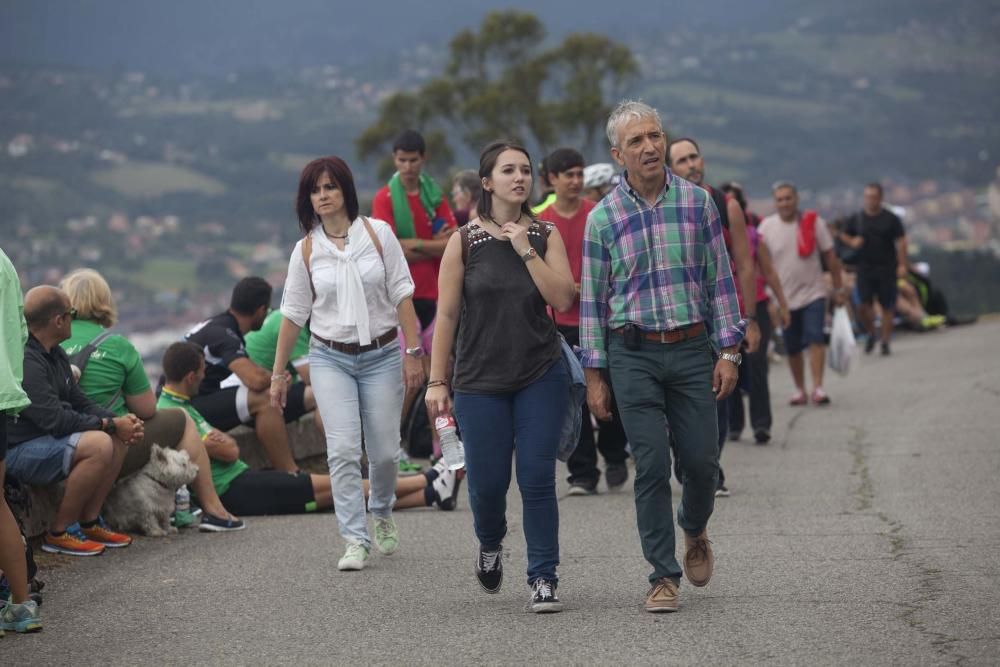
x,y
255,492
112,375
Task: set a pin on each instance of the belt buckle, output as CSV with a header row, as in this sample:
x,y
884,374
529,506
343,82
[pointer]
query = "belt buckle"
x,y
663,336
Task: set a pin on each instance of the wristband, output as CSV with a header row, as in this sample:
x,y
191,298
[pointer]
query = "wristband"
x,y
437,383
277,377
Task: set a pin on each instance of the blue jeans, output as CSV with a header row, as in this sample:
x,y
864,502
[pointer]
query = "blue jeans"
x,y
491,423
44,460
356,392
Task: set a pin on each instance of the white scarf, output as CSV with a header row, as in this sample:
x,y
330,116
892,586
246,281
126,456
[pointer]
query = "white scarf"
x,y
352,307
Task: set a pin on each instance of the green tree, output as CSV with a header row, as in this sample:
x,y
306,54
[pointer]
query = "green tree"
x,y
503,82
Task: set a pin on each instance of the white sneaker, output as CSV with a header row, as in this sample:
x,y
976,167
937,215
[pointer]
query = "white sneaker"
x,y
446,487
355,558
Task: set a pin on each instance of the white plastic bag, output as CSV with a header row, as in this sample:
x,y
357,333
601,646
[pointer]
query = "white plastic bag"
x,y
843,347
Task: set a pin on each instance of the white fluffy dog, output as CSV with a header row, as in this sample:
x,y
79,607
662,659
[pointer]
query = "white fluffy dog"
x,y
144,501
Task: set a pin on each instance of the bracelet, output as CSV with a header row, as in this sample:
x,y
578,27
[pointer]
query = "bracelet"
x,y
437,383
277,377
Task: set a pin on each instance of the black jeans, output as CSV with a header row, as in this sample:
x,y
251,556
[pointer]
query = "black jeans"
x,y
610,441
753,373
426,311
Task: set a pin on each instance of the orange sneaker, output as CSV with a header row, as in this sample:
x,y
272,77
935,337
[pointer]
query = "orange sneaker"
x,y
101,534
71,544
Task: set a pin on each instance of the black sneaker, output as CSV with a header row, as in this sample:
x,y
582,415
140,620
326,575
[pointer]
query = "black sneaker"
x,y
870,344
722,491
885,350
543,597
616,475
582,489
489,569
762,436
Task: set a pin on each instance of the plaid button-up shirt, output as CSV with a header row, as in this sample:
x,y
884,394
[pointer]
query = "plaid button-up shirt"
x,y
660,267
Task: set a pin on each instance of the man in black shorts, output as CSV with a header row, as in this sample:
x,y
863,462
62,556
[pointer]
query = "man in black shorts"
x,y
235,389
878,236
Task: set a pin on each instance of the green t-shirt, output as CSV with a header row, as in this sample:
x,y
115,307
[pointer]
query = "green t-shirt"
x,y
13,336
261,344
115,365
223,472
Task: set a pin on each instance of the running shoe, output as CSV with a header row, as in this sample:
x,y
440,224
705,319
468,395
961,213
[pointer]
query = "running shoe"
x,y
101,534
20,618
71,543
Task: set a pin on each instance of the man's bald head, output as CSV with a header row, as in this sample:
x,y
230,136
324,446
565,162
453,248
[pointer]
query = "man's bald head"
x,y
43,303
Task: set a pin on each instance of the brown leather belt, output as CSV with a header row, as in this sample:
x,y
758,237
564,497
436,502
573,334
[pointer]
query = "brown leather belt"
x,y
357,348
672,336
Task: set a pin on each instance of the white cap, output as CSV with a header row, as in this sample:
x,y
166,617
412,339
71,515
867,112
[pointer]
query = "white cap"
x,y
598,175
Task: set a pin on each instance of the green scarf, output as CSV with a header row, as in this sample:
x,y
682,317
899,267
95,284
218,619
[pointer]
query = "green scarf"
x,y
430,197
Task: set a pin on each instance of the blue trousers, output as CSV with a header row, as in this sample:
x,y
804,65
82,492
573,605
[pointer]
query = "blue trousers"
x,y
522,426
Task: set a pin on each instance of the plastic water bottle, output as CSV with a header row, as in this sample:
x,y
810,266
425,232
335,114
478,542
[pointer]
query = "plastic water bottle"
x,y
182,499
451,447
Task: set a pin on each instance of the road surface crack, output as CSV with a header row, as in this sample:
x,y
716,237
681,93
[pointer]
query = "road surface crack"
x,y
930,584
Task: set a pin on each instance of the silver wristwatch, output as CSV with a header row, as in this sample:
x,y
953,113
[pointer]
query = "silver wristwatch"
x,y
417,351
734,357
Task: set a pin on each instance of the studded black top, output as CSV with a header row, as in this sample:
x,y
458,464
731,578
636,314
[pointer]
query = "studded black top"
x,y
506,339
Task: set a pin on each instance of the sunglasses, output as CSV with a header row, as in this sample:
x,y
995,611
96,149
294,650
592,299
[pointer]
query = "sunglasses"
x,y
71,312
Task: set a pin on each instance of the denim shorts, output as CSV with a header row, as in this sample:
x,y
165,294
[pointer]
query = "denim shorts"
x,y
44,460
807,327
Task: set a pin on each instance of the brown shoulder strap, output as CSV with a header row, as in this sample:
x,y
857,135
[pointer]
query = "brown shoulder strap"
x,y
307,251
375,241
463,233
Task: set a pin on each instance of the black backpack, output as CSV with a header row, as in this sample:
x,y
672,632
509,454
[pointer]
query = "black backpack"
x,y
416,429
81,358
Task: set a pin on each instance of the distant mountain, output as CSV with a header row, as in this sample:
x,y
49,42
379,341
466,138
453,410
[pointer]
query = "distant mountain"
x,y
195,36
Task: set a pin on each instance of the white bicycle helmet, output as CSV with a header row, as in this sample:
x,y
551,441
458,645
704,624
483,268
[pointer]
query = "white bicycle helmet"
x,y
598,175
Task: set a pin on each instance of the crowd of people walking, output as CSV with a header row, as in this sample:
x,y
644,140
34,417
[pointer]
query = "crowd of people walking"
x,y
671,290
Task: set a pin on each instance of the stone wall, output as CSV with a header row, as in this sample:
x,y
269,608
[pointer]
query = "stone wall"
x,y
306,442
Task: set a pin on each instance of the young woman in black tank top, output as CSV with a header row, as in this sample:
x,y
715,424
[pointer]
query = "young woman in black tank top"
x,y
497,278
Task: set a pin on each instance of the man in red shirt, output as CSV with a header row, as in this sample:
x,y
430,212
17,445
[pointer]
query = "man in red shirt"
x,y
419,214
568,212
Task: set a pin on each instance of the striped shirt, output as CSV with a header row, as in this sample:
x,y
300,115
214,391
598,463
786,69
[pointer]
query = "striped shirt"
x,y
660,267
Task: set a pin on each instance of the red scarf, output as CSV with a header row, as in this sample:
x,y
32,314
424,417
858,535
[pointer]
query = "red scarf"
x,y
807,233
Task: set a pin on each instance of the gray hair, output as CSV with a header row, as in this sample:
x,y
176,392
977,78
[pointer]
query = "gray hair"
x,y
627,111
779,185
468,180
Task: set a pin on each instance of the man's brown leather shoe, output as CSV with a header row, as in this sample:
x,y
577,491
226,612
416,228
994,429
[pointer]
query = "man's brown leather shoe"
x,y
663,597
698,559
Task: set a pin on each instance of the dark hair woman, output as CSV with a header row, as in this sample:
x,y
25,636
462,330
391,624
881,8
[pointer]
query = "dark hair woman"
x,y
498,276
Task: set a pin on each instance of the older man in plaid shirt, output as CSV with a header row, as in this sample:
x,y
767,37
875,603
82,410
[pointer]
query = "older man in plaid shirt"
x,y
657,302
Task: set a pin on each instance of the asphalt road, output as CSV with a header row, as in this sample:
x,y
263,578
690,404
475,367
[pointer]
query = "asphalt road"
x,y
868,532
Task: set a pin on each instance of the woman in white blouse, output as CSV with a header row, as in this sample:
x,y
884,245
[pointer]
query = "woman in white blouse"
x,y
349,279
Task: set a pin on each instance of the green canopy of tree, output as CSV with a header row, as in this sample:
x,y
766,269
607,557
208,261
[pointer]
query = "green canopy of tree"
x,y
504,82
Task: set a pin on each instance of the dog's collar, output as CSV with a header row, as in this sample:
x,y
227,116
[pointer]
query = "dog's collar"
x,y
156,480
